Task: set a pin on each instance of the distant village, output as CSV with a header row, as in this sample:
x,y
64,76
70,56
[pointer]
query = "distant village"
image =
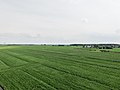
x,y
101,46
98,46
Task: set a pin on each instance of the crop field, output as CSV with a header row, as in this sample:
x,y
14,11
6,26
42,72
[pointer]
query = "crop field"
x,y
114,50
58,68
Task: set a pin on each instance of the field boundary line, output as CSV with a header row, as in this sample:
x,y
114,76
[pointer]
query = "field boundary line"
x,y
39,80
17,67
97,81
82,86
20,58
84,62
90,62
4,63
101,59
12,83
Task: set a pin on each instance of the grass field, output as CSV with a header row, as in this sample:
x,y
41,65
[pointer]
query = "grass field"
x,y
58,68
113,50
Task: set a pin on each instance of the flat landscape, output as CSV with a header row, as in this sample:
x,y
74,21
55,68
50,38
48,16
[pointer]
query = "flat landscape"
x,y
58,68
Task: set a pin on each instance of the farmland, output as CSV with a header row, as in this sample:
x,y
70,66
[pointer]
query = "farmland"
x,y
113,50
58,68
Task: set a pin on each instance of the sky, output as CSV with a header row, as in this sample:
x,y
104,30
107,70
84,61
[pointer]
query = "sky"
x,y
59,21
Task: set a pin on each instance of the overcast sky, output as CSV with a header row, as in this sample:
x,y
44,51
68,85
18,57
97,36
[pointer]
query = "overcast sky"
x,y
59,21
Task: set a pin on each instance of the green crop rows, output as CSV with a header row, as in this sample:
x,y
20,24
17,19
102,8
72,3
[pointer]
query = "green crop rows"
x,y
58,68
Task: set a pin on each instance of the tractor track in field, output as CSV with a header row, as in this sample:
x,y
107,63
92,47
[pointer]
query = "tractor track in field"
x,y
4,63
41,64
92,58
40,81
54,69
85,63
80,86
8,79
43,67
62,58
90,62
14,67
62,71
87,78
22,59
95,58
66,54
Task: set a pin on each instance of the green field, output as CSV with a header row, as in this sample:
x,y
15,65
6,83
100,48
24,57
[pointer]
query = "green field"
x,y
113,50
58,68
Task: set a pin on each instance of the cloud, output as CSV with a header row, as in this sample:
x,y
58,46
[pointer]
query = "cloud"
x,y
29,39
117,31
92,37
84,20
74,1
59,20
